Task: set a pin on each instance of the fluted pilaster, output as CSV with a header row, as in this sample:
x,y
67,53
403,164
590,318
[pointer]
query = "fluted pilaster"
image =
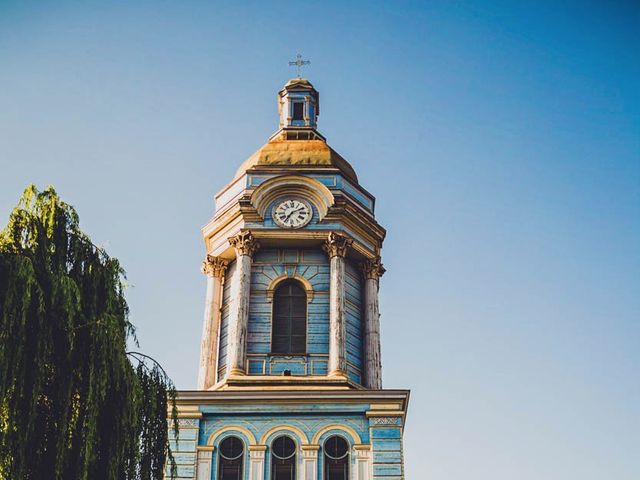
x,y
214,268
245,246
372,271
336,247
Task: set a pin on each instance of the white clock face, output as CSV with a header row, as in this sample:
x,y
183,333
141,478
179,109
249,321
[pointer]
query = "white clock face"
x,y
292,213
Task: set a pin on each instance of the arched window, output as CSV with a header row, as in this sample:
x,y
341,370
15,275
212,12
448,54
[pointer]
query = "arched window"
x,y
289,329
283,459
336,458
230,459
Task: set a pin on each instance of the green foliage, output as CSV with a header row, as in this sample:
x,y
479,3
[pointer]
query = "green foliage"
x,y
72,403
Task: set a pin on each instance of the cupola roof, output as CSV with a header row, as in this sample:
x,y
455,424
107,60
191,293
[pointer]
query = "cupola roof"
x,y
280,152
299,81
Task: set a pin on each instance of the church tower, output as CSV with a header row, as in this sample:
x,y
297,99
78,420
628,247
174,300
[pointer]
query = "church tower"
x,y
289,383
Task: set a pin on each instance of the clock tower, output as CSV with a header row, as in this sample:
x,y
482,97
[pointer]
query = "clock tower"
x,y
290,382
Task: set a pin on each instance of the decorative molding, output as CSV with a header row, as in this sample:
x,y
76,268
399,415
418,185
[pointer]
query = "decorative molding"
x,y
308,288
350,433
244,243
284,428
232,428
336,245
362,448
188,422
204,454
310,450
214,266
306,187
387,413
377,421
373,269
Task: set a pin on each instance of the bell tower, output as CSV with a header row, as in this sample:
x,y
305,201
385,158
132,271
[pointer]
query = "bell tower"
x,y
290,381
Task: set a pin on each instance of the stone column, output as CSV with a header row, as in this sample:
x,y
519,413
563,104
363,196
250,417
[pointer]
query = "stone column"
x,y
310,462
256,461
203,465
372,270
245,245
336,247
213,268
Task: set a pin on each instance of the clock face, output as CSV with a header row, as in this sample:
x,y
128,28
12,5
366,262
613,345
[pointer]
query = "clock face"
x,y
292,213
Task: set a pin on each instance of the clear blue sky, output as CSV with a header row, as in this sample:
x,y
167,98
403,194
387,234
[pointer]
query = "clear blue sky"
x,y
501,139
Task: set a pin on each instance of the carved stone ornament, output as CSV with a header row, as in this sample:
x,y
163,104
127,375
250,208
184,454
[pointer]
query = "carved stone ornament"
x,y
385,421
244,243
336,245
373,269
214,266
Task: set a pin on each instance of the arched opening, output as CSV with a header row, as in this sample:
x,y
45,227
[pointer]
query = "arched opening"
x,y
283,458
230,459
289,326
336,458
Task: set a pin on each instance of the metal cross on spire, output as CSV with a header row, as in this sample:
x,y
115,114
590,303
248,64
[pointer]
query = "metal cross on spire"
x,y
299,63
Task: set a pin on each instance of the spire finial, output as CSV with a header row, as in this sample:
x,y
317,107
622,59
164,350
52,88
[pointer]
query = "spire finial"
x,y
299,63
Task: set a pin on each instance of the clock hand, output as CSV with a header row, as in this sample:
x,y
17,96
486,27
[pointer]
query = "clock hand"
x,y
288,216
297,212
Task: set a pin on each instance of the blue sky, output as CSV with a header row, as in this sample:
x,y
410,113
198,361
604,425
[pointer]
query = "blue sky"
x,y
501,139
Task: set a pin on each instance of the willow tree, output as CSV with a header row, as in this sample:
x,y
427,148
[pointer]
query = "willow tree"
x,y
74,404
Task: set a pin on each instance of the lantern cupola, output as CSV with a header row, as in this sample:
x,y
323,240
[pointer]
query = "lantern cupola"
x,y
299,107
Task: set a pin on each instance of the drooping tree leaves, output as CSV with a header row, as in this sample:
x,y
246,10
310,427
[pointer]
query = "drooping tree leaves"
x,y
72,403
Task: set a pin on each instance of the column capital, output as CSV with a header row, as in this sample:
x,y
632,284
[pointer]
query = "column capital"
x,y
310,451
244,243
373,269
336,245
214,266
257,451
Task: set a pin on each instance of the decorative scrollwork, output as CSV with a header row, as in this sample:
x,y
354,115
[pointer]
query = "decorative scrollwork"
x,y
188,422
385,421
214,266
373,269
336,245
244,243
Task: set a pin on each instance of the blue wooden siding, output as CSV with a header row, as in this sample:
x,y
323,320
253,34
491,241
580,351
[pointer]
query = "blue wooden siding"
x,y
269,264
312,265
387,452
224,320
353,311
184,448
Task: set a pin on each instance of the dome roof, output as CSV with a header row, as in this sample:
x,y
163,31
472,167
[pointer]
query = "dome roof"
x,y
299,82
280,152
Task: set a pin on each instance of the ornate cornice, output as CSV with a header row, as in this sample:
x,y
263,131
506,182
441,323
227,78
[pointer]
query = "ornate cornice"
x,y
244,243
336,245
214,266
373,269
